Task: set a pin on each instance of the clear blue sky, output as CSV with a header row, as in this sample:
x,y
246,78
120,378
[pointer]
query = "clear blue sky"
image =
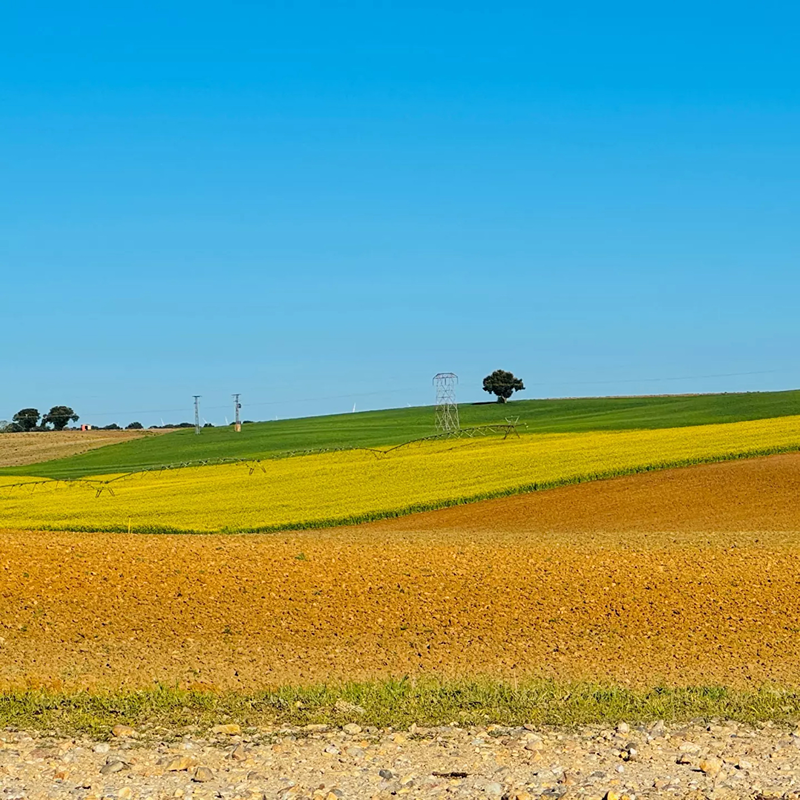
x,y
317,204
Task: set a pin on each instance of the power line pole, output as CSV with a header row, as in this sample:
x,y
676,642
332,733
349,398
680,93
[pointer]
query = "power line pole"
x,y
237,426
197,412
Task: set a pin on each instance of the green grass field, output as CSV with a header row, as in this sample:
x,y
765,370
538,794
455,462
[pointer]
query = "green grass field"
x,y
394,426
397,703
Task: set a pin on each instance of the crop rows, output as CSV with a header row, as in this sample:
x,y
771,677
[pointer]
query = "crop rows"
x,y
352,486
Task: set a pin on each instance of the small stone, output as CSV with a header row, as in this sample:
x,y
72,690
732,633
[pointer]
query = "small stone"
x,y
611,795
351,729
689,747
61,775
125,793
711,766
331,750
102,747
533,745
386,774
629,753
239,753
744,764
112,767
228,730
180,764
623,728
203,775
123,731
493,789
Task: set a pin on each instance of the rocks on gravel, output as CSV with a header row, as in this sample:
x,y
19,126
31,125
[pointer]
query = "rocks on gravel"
x,y
123,731
230,729
711,766
203,775
719,761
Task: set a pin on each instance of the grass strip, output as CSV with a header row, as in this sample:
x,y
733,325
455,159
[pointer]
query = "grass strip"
x,y
375,516
391,703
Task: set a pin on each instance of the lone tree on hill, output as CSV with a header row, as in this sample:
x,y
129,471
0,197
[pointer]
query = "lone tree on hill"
x,y
27,418
503,384
134,426
59,416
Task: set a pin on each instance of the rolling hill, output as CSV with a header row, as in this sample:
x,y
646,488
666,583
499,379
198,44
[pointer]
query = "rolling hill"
x,y
394,426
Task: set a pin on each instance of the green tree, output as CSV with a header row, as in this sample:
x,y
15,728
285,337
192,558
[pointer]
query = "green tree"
x,y
503,384
27,418
134,426
59,416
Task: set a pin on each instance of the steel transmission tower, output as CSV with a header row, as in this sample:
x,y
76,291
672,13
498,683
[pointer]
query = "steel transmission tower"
x,y
197,412
237,407
446,406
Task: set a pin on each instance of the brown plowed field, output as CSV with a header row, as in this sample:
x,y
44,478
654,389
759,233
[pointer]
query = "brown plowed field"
x,y
681,577
19,449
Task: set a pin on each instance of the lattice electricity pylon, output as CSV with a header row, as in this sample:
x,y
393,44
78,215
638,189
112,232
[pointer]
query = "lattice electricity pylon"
x,y
446,406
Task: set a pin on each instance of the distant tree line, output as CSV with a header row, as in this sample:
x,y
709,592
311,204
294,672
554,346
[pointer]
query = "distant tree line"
x,y
57,418
29,419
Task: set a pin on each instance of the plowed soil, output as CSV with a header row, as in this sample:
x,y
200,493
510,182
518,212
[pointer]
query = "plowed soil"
x,y
688,576
19,449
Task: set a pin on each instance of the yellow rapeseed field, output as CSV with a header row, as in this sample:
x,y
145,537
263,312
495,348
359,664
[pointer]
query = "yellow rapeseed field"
x,y
323,489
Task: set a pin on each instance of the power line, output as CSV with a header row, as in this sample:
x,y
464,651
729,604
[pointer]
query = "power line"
x,y
352,395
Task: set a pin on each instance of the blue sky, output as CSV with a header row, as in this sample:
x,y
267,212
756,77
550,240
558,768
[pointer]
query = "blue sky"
x,y
321,204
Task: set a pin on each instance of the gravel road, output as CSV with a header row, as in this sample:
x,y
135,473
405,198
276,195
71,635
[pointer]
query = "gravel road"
x,y
724,760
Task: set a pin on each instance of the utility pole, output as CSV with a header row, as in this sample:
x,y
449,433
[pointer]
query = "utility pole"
x,y
237,426
197,412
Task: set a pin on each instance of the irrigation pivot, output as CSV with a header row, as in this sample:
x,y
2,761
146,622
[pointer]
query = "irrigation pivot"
x,y
446,406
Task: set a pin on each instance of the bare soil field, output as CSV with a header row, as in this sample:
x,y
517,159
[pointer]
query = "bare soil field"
x,y
683,577
19,449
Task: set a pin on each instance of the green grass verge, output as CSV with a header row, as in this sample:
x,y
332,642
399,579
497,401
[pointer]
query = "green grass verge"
x,y
394,426
374,516
391,703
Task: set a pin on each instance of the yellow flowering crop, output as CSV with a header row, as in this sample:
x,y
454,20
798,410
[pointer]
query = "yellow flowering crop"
x,y
307,491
